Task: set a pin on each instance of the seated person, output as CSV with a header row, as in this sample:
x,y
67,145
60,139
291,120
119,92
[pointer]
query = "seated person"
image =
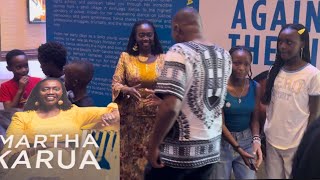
x,y
15,92
49,112
78,74
52,57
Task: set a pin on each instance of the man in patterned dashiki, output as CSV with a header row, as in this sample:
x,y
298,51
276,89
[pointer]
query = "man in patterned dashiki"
x,y
186,139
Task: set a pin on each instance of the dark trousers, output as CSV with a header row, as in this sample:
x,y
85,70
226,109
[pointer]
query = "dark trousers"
x,y
168,173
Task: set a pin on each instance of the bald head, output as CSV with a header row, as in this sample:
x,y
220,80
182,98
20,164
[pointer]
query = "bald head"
x,y
186,25
187,16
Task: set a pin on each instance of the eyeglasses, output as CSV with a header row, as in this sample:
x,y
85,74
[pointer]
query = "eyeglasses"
x,y
149,35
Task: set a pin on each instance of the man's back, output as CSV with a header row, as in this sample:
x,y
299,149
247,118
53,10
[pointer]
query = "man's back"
x,y
196,74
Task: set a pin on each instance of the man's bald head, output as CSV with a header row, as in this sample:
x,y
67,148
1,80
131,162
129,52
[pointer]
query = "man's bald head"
x,y
186,24
187,16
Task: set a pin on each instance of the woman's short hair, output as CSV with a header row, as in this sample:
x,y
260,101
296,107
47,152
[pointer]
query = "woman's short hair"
x,y
53,52
35,96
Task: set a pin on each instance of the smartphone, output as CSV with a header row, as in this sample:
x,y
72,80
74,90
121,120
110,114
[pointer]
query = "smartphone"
x,y
251,164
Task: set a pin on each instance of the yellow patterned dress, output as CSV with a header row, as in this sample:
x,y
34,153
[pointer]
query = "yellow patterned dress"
x,y
136,119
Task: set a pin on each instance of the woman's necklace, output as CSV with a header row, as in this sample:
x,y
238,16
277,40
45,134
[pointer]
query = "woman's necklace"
x,y
144,60
239,97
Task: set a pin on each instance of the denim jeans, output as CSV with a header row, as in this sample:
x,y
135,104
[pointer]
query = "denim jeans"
x,y
231,160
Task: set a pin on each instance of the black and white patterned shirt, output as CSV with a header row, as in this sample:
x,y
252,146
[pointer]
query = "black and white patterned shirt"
x,y
197,74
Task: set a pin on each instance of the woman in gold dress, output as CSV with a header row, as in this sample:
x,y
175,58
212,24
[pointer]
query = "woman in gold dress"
x,y
132,89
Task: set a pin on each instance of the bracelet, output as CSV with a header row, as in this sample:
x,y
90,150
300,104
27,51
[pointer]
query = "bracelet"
x,y
257,141
256,138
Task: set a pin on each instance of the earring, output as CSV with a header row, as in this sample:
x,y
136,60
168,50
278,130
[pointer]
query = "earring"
x,y
250,73
301,53
135,47
60,102
36,103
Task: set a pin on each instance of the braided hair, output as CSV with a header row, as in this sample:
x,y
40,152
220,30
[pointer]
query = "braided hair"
x,y
278,64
